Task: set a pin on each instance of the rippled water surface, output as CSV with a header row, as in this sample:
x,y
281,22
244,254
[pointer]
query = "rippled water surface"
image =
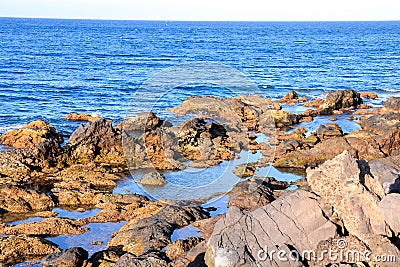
x,y
49,68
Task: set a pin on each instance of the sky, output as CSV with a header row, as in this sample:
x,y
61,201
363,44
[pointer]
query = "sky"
x,y
205,10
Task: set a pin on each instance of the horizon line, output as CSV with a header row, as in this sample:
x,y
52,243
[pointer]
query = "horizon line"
x,y
182,20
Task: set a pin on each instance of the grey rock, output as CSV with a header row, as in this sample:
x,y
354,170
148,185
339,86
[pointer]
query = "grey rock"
x,y
389,208
154,232
387,171
73,257
392,104
354,195
255,192
294,221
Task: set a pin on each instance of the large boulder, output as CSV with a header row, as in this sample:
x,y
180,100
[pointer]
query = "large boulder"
x,y
30,135
294,221
96,141
342,99
344,183
387,171
389,208
392,104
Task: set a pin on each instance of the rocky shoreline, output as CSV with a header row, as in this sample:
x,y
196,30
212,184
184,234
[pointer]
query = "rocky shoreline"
x,y
349,192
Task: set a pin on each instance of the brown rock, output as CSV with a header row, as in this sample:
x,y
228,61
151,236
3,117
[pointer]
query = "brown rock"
x,y
381,124
47,227
81,117
31,135
329,131
368,95
18,200
206,226
392,104
19,248
368,111
342,99
145,121
96,141
147,260
152,178
194,257
180,247
255,192
316,103
244,170
154,232
291,98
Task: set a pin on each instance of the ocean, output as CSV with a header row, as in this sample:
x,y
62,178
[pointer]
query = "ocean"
x,y
52,67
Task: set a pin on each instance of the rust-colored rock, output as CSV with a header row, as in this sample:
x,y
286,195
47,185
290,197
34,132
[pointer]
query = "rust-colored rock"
x,y
31,135
18,200
81,117
368,95
15,249
47,227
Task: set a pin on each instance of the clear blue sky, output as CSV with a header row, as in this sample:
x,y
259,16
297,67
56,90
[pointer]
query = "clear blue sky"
x,y
257,10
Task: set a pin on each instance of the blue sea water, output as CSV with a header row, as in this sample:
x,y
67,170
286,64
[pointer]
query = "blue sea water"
x,y
51,67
